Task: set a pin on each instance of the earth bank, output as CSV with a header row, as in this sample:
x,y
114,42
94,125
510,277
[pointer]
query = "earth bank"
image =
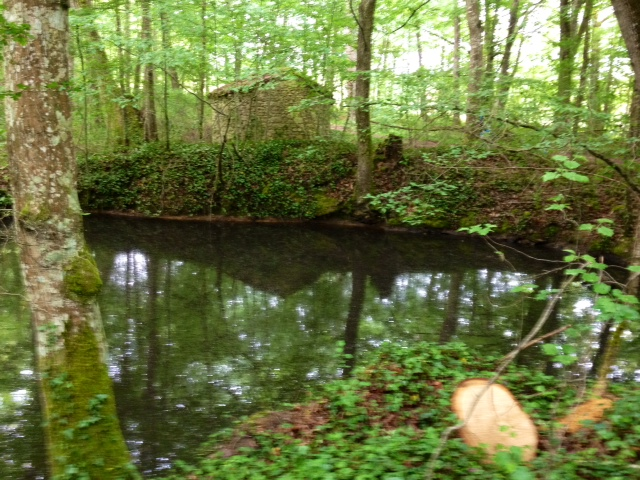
x,y
439,188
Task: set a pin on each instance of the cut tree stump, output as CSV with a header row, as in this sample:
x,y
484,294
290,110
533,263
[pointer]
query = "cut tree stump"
x,y
497,422
591,411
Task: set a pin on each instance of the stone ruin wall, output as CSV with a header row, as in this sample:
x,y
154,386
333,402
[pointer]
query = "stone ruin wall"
x,y
263,114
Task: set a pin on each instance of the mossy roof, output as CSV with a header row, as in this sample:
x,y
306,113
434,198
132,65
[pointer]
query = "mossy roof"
x,y
284,75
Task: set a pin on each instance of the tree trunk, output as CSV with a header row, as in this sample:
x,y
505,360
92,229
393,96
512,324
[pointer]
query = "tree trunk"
x,y
634,114
474,122
568,46
148,87
594,99
456,64
364,176
489,45
628,15
60,275
166,48
202,74
504,81
586,63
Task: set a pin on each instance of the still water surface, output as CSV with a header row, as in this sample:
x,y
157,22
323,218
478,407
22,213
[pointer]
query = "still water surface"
x,y
209,322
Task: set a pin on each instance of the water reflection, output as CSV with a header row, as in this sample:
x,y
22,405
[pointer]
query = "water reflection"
x,y
206,323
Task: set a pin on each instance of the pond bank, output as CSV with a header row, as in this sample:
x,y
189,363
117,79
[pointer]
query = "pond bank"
x,y
435,189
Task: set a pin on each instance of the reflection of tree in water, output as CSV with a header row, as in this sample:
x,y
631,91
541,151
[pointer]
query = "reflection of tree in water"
x,y
22,443
450,322
247,317
354,315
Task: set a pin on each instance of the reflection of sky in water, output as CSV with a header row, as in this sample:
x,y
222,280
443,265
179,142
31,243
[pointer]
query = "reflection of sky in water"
x,y
129,268
244,347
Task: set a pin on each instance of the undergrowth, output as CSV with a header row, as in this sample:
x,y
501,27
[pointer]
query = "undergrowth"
x,y
386,421
279,179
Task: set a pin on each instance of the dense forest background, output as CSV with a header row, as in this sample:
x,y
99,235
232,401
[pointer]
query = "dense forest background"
x,y
442,70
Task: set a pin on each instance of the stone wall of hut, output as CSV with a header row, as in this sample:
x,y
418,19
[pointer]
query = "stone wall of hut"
x,y
270,109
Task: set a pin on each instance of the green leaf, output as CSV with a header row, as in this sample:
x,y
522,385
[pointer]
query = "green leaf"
x,y
526,288
574,271
590,277
601,288
634,268
585,227
605,231
598,266
550,349
566,359
558,206
547,177
570,164
604,220
575,177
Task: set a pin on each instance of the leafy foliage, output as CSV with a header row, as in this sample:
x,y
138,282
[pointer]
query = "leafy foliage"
x,y
274,179
388,419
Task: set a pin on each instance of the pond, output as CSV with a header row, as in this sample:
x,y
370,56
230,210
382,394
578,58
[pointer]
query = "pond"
x,y
209,322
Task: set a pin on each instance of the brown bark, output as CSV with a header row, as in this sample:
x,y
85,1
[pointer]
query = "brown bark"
x,y
60,276
634,114
148,87
628,15
504,81
568,46
474,123
202,74
586,61
364,175
456,63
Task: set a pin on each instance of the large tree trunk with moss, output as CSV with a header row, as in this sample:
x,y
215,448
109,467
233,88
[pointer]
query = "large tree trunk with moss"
x,y
364,176
60,275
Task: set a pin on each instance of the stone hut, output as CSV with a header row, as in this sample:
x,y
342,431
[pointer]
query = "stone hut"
x,y
287,106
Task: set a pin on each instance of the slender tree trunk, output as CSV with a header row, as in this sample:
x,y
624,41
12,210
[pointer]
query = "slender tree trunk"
x,y
166,48
568,46
489,45
451,309
124,61
476,64
594,100
364,176
504,80
150,119
202,74
358,289
586,62
60,275
456,64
